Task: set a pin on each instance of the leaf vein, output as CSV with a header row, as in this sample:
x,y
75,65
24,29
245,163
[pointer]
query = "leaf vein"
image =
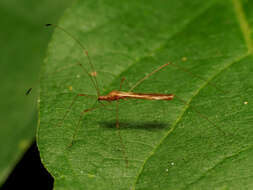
x,y
216,165
244,25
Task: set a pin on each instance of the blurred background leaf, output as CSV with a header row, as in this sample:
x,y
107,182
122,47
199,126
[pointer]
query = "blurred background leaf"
x,y
23,43
168,145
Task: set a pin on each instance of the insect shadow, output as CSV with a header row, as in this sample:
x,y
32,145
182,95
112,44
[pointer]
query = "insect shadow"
x,y
147,126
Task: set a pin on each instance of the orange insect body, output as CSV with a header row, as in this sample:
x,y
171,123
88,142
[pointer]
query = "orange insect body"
x,y
117,95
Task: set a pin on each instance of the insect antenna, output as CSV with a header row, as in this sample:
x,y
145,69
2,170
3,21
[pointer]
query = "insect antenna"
x,y
93,79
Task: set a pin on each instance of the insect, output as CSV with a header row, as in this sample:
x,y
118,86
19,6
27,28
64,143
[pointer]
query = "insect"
x,y
117,95
28,91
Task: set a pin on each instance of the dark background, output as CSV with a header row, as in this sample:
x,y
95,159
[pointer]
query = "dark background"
x,y
29,173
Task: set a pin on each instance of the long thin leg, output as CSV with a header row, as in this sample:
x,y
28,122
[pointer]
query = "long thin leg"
x,y
179,67
147,76
80,119
123,148
124,80
78,125
84,51
121,82
91,78
86,72
202,115
197,76
69,109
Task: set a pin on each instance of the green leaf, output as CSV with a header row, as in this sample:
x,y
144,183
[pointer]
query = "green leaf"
x,y
169,144
23,46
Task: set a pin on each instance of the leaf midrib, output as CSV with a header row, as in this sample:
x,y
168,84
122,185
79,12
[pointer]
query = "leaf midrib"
x,y
244,26
186,107
245,29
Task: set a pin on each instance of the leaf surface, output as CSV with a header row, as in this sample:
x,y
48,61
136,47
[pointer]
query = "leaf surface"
x,y
23,42
168,144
